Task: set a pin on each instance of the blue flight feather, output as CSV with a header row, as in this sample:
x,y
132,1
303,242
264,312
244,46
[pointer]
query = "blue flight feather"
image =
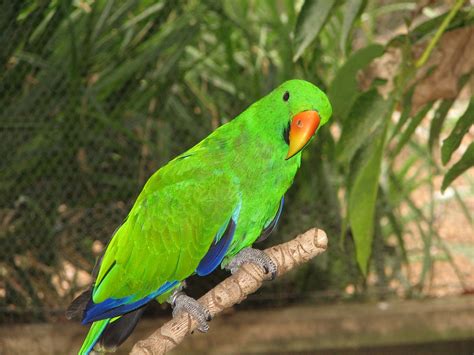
x,y
113,307
217,251
221,244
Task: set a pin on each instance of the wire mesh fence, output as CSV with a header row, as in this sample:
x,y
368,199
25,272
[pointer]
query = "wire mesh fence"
x,y
68,177
97,95
80,134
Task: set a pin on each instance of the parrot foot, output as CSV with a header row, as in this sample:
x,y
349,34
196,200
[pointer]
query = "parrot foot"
x,y
255,256
180,303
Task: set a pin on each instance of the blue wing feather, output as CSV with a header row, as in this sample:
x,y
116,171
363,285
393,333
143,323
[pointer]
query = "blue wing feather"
x,y
217,251
114,307
220,246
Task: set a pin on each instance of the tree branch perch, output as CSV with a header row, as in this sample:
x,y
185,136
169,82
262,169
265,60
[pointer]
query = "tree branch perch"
x,y
235,289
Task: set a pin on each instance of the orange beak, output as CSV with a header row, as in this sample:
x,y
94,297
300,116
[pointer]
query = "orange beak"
x,y
302,128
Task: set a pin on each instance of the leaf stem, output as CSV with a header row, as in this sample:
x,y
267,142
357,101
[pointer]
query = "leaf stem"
x,y
426,54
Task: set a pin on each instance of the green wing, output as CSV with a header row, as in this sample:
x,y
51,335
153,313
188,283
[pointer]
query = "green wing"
x,y
168,231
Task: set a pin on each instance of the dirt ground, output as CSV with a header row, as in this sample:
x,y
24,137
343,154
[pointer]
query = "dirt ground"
x,y
430,326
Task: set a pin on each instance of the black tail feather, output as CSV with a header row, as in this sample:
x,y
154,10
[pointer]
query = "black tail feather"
x,y
117,332
78,305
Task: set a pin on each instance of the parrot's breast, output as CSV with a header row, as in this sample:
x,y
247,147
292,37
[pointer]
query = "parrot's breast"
x,y
264,177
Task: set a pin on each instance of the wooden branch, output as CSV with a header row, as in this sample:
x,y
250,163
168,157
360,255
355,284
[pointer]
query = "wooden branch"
x,y
235,289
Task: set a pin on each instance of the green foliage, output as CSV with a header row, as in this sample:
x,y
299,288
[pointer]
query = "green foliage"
x,y
362,200
311,20
464,123
438,121
450,144
96,95
367,122
344,88
412,125
367,114
352,11
466,162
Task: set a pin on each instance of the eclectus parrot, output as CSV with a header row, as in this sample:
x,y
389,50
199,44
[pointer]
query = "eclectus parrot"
x,y
203,209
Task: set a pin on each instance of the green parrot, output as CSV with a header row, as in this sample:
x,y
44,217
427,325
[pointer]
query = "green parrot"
x,y
203,209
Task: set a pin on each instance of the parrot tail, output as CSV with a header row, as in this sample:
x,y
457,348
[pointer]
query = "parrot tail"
x,y
96,330
107,334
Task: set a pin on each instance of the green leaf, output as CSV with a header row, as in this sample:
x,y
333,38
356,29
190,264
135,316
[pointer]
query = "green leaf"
x,y
311,20
441,114
463,124
463,18
398,230
406,111
367,113
362,198
343,90
352,10
437,122
415,122
466,162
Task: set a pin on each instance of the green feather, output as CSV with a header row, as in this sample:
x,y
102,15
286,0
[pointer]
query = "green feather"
x,y
93,335
185,203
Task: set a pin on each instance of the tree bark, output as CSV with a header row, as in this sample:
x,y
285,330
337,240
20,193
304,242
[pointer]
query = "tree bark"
x,y
235,289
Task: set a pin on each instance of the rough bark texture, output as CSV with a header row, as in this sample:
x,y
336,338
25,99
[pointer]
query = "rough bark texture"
x,y
235,289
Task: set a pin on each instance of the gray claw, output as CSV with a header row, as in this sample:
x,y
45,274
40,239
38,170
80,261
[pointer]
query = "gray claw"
x,y
183,303
255,256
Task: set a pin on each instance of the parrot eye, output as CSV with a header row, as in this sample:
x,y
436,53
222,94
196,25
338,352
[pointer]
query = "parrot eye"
x,y
286,96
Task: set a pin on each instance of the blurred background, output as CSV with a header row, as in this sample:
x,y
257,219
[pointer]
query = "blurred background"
x,y
95,95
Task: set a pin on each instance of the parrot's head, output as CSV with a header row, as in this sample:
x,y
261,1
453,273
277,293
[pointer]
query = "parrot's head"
x,y
295,111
